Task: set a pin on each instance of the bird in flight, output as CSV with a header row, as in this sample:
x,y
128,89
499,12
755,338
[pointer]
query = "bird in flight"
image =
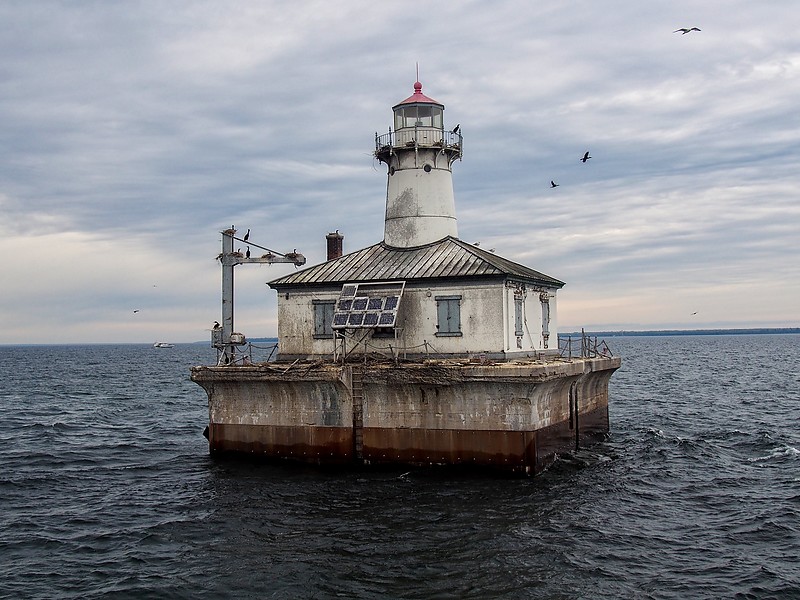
x,y
135,311
586,157
694,313
553,184
685,30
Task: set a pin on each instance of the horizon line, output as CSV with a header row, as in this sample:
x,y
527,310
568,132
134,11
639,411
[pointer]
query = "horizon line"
x,y
610,332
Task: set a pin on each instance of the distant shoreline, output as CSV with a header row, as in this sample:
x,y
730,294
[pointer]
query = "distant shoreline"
x,y
665,332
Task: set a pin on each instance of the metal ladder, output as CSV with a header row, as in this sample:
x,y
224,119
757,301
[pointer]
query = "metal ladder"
x,y
357,390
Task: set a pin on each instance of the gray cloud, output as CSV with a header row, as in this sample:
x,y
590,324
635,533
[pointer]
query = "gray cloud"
x,y
131,134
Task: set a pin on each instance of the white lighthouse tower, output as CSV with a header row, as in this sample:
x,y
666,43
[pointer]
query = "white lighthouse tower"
x,y
419,154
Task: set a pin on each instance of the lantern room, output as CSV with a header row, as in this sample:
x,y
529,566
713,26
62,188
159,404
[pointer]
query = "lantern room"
x,y
418,111
418,123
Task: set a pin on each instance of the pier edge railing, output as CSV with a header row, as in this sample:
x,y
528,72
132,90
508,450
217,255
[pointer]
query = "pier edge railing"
x,y
570,346
583,346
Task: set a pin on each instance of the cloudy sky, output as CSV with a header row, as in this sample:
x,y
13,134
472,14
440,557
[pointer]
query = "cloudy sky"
x,y
132,133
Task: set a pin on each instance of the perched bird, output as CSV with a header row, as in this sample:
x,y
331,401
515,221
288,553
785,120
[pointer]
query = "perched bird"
x,y
247,235
247,254
553,184
586,157
216,325
685,30
457,128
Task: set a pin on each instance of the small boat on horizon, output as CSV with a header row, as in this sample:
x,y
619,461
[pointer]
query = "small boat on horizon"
x,y
163,345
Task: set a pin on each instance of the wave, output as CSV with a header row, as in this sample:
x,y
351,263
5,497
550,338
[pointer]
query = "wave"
x,y
777,453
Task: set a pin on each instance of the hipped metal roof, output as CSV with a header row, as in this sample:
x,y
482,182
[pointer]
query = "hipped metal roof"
x,y
418,97
445,259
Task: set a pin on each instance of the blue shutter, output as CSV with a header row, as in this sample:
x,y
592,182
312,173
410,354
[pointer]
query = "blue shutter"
x,y
448,314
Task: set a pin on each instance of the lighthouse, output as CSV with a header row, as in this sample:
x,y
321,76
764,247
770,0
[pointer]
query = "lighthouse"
x,y
419,154
419,349
421,287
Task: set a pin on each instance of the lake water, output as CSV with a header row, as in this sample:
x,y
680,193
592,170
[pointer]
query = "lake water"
x,y
107,491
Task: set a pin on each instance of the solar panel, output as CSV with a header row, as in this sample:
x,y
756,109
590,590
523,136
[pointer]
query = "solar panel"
x,y
368,305
387,319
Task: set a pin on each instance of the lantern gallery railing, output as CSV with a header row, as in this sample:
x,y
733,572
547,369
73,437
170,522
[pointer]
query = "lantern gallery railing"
x,y
429,137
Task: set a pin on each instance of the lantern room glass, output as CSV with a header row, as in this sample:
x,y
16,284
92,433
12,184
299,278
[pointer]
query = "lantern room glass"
x,y
418,115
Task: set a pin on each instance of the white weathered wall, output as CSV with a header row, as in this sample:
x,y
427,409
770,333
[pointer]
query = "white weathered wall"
x,y
487,322
532,338
296,323
481,319
420,206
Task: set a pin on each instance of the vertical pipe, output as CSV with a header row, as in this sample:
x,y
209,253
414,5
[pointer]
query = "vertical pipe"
x,y
228,352
577,416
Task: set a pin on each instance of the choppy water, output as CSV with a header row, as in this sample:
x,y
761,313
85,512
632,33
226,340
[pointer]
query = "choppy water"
x,y
107,490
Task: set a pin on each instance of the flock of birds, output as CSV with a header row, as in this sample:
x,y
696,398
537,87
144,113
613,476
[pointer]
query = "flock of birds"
x,y
585,157
270,253
456,129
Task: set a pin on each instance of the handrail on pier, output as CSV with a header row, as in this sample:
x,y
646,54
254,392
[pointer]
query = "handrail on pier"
x,y
583,346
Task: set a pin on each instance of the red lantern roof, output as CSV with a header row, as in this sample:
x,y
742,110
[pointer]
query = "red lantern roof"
x,y
418,96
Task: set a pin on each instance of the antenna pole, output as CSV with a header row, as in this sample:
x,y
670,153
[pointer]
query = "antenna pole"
x,y
225,339
228,262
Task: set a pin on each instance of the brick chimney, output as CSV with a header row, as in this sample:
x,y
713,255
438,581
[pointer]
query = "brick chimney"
x,y
334,244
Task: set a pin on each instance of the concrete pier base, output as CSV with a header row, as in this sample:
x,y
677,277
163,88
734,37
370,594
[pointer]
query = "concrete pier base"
x,y
514,415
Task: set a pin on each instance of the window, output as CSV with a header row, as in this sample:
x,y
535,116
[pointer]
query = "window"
x,y
416,115
423,116
323,318
519,305
448,312
545,300
437,117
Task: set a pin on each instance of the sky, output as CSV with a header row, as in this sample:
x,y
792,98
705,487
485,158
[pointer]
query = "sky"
x,y
132,133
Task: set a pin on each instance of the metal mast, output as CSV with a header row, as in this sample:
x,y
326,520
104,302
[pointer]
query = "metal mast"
x,y
224,338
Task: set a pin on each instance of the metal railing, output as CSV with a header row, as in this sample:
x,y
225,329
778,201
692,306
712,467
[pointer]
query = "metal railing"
x,y
253,354
583,346
428,137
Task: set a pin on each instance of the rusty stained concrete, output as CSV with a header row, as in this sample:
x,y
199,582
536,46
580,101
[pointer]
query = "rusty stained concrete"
x,y
512,414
